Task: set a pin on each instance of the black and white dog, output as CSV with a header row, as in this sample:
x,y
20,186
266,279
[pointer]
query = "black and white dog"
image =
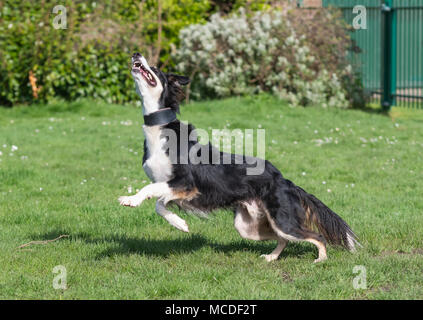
x,y
266,206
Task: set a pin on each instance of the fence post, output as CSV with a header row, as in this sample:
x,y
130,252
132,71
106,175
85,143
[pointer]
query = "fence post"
x,y
389,52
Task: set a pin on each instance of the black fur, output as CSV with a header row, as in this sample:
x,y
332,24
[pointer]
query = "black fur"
x,y
172,93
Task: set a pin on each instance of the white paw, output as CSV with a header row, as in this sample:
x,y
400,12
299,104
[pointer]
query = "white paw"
x,y
320,259
132,201
269,257
177,222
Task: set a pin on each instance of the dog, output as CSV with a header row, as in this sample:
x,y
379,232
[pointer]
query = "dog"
x,y
266,206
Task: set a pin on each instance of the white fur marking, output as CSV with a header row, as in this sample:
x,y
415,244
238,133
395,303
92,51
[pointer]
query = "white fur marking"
x,y
158,166
250,222
172,218
352,243
154,190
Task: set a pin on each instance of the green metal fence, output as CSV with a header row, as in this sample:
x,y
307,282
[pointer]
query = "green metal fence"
x,y
390,55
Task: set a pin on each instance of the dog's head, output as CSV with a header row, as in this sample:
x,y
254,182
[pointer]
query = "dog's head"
x,y
155,87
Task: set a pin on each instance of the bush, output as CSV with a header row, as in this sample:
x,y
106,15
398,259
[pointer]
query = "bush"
x,y
90,58
268,52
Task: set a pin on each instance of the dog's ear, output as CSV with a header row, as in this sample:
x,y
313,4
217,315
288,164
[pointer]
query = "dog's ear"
x,y
174,78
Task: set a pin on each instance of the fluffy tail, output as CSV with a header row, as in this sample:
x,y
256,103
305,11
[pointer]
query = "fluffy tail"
x,y
335,230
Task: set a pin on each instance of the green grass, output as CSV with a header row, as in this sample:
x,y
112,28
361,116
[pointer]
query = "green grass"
x,y
74,160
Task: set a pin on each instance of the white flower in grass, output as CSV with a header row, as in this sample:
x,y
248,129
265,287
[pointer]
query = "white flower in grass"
x,y
14,148
130,189
323,182
1,153
303,173
329,190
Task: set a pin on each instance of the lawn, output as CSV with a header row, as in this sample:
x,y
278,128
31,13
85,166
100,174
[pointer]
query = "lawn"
x,y
63,167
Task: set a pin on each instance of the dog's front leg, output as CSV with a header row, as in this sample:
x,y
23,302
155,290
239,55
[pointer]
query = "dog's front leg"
x,y
154,190
172,218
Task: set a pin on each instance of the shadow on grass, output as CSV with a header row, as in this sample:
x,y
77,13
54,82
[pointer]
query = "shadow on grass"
x,y
372,110
123,245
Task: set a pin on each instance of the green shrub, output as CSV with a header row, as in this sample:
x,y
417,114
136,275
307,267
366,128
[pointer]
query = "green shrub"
x,y
89,58
269,52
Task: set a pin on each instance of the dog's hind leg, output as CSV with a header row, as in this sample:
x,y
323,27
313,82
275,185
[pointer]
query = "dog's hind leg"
x,y
322,249
172,218
275,253
251,223
290,229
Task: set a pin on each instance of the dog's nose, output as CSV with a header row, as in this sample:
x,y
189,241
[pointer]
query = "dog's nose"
x,y
136,55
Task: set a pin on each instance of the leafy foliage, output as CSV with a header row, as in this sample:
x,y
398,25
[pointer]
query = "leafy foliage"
x,y
90,57
269,52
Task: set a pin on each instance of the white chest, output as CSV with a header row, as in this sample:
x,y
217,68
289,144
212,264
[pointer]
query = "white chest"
x,y
158,166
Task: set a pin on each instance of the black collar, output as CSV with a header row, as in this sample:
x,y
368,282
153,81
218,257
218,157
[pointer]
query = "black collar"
x,y
160,117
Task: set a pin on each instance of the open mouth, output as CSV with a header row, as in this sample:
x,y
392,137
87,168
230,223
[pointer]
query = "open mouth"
x,y
139,67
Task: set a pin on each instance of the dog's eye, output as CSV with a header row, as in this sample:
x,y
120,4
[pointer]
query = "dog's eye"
x,y
137,64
